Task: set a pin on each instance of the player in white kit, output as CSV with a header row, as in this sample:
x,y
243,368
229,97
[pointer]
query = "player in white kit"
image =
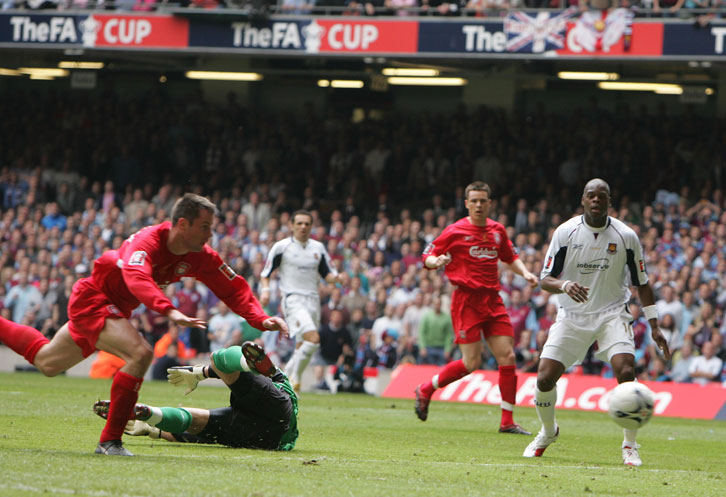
x,y
300,262
591,262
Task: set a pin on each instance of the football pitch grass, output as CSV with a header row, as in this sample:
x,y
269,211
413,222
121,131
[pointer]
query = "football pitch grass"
x,y
349,445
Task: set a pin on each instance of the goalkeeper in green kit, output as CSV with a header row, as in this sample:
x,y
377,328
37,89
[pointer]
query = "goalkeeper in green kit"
x,y
262,413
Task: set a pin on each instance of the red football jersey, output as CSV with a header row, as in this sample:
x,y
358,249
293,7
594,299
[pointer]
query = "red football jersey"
x,y
474,251
143,265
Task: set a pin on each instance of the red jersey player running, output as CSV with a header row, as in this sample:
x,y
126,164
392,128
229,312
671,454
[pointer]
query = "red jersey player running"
x,y
470,249
100,306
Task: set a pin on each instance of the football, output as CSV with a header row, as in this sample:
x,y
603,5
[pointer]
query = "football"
x,y
631,405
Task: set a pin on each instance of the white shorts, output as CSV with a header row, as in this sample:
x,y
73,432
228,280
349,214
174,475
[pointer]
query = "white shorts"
x,y
302,314
571,336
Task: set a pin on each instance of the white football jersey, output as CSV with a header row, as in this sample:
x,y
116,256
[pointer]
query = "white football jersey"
x,y
300,266
606,260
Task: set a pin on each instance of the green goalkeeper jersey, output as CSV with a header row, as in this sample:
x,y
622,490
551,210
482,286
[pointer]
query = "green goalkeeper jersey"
x,y
287,442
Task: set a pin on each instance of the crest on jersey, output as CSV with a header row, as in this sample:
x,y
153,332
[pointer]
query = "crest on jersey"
x,y
483,237
137,258
316,256
228,271
612,248
182,268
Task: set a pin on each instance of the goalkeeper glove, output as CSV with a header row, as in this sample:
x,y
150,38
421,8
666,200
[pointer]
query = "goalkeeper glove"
x,y
186,376
138,428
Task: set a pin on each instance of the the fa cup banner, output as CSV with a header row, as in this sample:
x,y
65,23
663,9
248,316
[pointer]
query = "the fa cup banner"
x,y
94,30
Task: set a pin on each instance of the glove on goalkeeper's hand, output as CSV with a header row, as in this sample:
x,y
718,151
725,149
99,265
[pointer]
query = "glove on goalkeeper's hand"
x,y
138,428
186,376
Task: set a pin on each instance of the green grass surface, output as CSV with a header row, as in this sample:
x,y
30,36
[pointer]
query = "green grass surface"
x,y
350,445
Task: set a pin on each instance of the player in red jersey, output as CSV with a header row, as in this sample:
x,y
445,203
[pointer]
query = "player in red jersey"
x,y
469,250
100,306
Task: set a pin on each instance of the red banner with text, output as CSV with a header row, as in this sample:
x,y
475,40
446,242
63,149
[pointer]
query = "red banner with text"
x,y
581,392
102,30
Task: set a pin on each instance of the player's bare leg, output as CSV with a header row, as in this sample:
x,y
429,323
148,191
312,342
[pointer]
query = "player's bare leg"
x,y
50,357
502,348
121,339
301,357
624,369
470,361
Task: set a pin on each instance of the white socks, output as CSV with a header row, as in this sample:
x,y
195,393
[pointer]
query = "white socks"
x,y
300,360
629,438
545,403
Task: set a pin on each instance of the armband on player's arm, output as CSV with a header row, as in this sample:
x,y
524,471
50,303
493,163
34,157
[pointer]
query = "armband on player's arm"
x,y
650,312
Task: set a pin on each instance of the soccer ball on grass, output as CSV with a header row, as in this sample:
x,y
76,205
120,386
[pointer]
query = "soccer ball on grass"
x,y
631,405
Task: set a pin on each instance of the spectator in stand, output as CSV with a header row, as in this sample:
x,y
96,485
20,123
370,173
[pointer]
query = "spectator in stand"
x,y
335,302
706,367
703,329
670,304
224,329
670,333
153,324
402,7
386,352
258,212
23,297
169,339
138,202
188,299
297,7
170,360
519,311
335,344
388,321
354,299
681,363
690,311
436,334
410,324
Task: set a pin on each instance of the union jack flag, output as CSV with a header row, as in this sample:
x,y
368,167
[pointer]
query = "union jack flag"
x,y
544,32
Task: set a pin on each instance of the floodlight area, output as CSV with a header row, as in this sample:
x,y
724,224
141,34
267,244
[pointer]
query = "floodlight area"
x,y
224,76
404,81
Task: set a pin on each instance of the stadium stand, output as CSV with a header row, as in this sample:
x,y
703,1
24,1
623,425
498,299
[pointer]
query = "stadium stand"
x,y
78,175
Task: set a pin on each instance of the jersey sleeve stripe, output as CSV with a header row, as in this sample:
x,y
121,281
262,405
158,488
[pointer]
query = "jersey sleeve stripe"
x,y
632,267
323,267
267,271
559,263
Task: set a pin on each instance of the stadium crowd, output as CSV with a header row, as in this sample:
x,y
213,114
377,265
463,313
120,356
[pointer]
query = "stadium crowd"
x,y
79,175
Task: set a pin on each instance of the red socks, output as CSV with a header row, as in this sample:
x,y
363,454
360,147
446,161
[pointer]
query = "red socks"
x,y
24,340
508,390
124,394
451,372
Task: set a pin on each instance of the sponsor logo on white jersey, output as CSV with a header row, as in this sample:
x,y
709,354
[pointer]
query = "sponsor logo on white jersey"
x,y
593,266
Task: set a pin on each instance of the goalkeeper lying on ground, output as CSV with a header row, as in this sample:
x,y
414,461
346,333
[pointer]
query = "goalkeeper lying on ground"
x,y
262,412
